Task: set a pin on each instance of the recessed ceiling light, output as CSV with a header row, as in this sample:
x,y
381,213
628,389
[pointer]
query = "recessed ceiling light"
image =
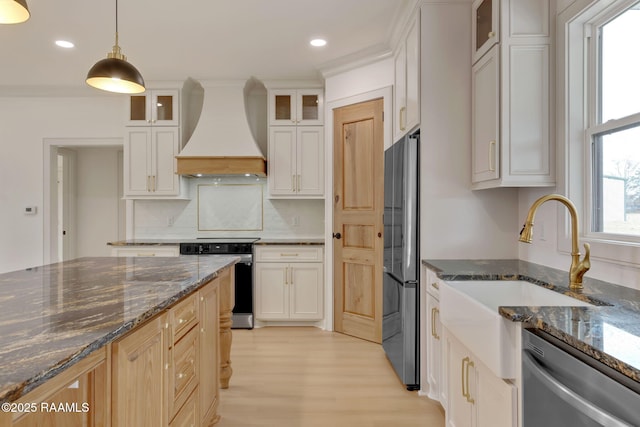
x,y
65,44
318,42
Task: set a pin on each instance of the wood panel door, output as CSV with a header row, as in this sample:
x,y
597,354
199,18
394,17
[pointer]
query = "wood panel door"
x,y
357,216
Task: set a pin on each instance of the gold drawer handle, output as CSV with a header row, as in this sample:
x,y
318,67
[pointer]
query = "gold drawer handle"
x,y
434,332
435,285
291,254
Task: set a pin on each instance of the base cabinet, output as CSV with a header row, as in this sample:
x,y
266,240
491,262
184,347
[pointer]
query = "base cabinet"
x,y
475,396
289,283
139,376
434,340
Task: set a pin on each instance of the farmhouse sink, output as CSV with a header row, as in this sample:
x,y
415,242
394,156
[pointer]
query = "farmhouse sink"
x,y
469,310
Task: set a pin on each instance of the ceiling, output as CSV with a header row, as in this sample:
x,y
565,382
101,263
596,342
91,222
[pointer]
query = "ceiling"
x,y
201,39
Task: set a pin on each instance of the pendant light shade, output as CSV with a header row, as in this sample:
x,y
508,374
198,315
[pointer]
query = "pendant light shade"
x,y
13,11
115,74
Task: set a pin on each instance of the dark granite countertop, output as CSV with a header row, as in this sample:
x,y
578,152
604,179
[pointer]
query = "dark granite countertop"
x,y
262,241
52,316
290,241
609,332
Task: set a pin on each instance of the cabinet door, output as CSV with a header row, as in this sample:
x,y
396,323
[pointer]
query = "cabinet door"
x,y
282,107
282,160
209,359
485,29
272,291
412,118
434,347
139,377
165,145
306,291
459,409
400,92
309,107
485,118
496,400
184,370
137,162
310,161
154,107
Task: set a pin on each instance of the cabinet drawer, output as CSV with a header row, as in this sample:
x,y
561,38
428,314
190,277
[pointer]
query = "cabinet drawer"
x,y
292,253
144,251
188,415
183,370
183,316
433,283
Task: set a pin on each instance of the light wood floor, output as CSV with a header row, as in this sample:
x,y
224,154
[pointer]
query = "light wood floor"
x,y
306,377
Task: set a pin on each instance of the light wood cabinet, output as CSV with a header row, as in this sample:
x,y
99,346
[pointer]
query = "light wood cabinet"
x,y
512,84
165,372
209,353
81,390
406,112
139,376
158,107
296,161
289,283
476,397
299,107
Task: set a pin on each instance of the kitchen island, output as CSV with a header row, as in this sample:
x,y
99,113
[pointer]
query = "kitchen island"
x,y
78,314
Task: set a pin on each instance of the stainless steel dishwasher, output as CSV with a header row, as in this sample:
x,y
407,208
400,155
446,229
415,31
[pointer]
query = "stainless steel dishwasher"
x,y
563,387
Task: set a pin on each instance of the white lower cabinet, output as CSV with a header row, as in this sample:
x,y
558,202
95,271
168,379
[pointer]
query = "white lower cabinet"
x,y
475,396
289,283
433,366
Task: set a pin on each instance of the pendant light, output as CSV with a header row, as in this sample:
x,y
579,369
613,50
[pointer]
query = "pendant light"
x,y
115,74
13,11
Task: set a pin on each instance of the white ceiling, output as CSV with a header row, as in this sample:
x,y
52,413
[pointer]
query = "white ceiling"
x,y
201,39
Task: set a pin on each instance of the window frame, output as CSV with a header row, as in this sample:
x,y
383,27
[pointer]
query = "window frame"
x,y
576,65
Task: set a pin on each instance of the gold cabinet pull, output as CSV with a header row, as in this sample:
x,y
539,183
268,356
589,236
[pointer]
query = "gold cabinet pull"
x,y
434,331
148,183
402,118
288,254
466,364
298,188
435,285
462,382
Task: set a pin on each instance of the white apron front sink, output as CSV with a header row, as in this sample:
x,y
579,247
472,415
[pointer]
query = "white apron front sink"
x,y
469,310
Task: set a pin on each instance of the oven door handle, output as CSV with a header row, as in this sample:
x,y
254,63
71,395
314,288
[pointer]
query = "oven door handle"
x,y
569,396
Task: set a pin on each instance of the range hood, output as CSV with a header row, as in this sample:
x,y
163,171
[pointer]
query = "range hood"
x,y
222,142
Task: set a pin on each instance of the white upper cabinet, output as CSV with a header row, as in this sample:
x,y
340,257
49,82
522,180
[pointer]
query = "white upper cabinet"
x,y
485,28
296,107
406,112
154,108
512,103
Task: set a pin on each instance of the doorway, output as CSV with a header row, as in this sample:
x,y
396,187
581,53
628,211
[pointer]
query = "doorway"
x,y
83,204
358,204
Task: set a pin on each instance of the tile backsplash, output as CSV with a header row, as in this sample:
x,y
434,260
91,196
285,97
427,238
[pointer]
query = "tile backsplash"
x,y
225,207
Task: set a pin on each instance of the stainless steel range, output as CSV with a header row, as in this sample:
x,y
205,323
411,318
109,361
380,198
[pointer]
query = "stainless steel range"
x,y
243,248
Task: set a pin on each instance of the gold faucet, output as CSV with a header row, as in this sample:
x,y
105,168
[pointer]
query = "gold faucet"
x,y
578,267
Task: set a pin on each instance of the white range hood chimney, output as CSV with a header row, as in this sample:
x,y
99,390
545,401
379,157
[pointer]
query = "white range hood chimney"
x,y
222,142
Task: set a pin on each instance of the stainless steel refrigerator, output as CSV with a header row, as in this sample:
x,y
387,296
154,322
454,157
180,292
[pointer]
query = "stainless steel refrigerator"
x,y
401,259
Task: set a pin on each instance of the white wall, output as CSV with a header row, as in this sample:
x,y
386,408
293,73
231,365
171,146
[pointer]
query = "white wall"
x,y
97,197
455,221
24,123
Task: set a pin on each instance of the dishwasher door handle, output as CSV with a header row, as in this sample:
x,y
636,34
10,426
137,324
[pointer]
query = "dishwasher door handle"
x,y
569,396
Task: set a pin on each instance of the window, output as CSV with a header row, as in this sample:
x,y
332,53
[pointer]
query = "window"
x,y
613,128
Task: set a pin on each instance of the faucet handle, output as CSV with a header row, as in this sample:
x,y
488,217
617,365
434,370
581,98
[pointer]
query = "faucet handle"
x,y
585,264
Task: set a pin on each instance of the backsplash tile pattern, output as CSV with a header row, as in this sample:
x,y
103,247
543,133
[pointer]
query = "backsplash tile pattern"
x,y
175,219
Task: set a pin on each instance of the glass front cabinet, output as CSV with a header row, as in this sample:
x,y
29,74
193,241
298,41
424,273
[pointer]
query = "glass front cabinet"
x,y
154,108
296,107
485,27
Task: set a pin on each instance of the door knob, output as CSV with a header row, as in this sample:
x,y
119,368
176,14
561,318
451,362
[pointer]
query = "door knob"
x,y
337,236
